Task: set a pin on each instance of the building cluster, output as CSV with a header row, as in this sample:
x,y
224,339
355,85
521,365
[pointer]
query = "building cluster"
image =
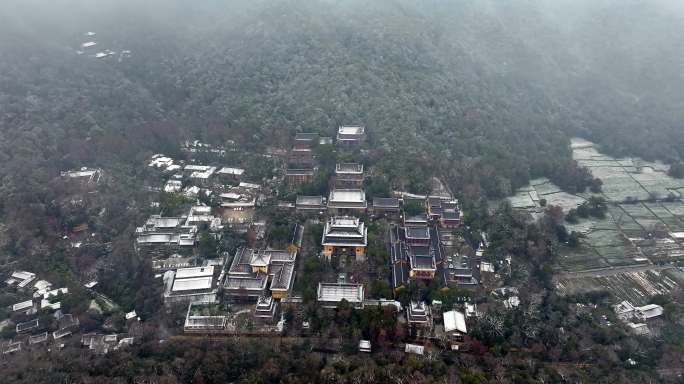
x,y
193,284
425,245
39,294
248,291
38,319
344,235
301,160
164,237
102,344
637,318
89,47
201,175
253,282
219,186
84,175
196,146
255,274
432,322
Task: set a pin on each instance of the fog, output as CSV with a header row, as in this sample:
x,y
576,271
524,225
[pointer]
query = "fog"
x,y
606,65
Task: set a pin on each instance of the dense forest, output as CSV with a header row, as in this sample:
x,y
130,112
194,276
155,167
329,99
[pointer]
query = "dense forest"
x,y
484,94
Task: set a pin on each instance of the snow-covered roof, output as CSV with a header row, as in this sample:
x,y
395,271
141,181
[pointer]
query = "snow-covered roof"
x,y
415,349
649,311
351,130
454,321
230,196
23,275
192,191
486,267
194,167
231,171
42,284
23,305
677,235
45,303
183,273
192,284
333,292
56,292
347,196
249,185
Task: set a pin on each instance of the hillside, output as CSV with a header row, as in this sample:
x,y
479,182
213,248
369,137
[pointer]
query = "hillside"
x,y
483,96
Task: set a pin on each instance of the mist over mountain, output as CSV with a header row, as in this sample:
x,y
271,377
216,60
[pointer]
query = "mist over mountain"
x,y
493,86
483,95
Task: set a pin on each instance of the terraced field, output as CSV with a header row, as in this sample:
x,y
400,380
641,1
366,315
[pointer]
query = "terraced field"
x,y
637,287
542,189
626,179
645,213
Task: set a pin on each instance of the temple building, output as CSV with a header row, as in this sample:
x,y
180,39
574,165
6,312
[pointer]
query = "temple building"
x,y
443,211
419,318
388,206
351,135
254,272
345,236
329,295
416,249
347,201
348,175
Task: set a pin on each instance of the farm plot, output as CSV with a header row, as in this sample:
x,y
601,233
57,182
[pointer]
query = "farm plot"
x,y
580,259
546,188
627,163
627,179
522,199
529,197
604,238
625,222
579,143
589,153
619,187
583,227
642,215
676,208
638,287
671,222
564,200
612,247
658,184
606,243
661,250
620,255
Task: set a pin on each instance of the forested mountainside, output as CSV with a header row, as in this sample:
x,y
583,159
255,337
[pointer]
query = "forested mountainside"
x,y
486,93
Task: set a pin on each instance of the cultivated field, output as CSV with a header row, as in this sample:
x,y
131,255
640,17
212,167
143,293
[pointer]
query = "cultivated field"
x,y
626,179
624,252
637,287
543,189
